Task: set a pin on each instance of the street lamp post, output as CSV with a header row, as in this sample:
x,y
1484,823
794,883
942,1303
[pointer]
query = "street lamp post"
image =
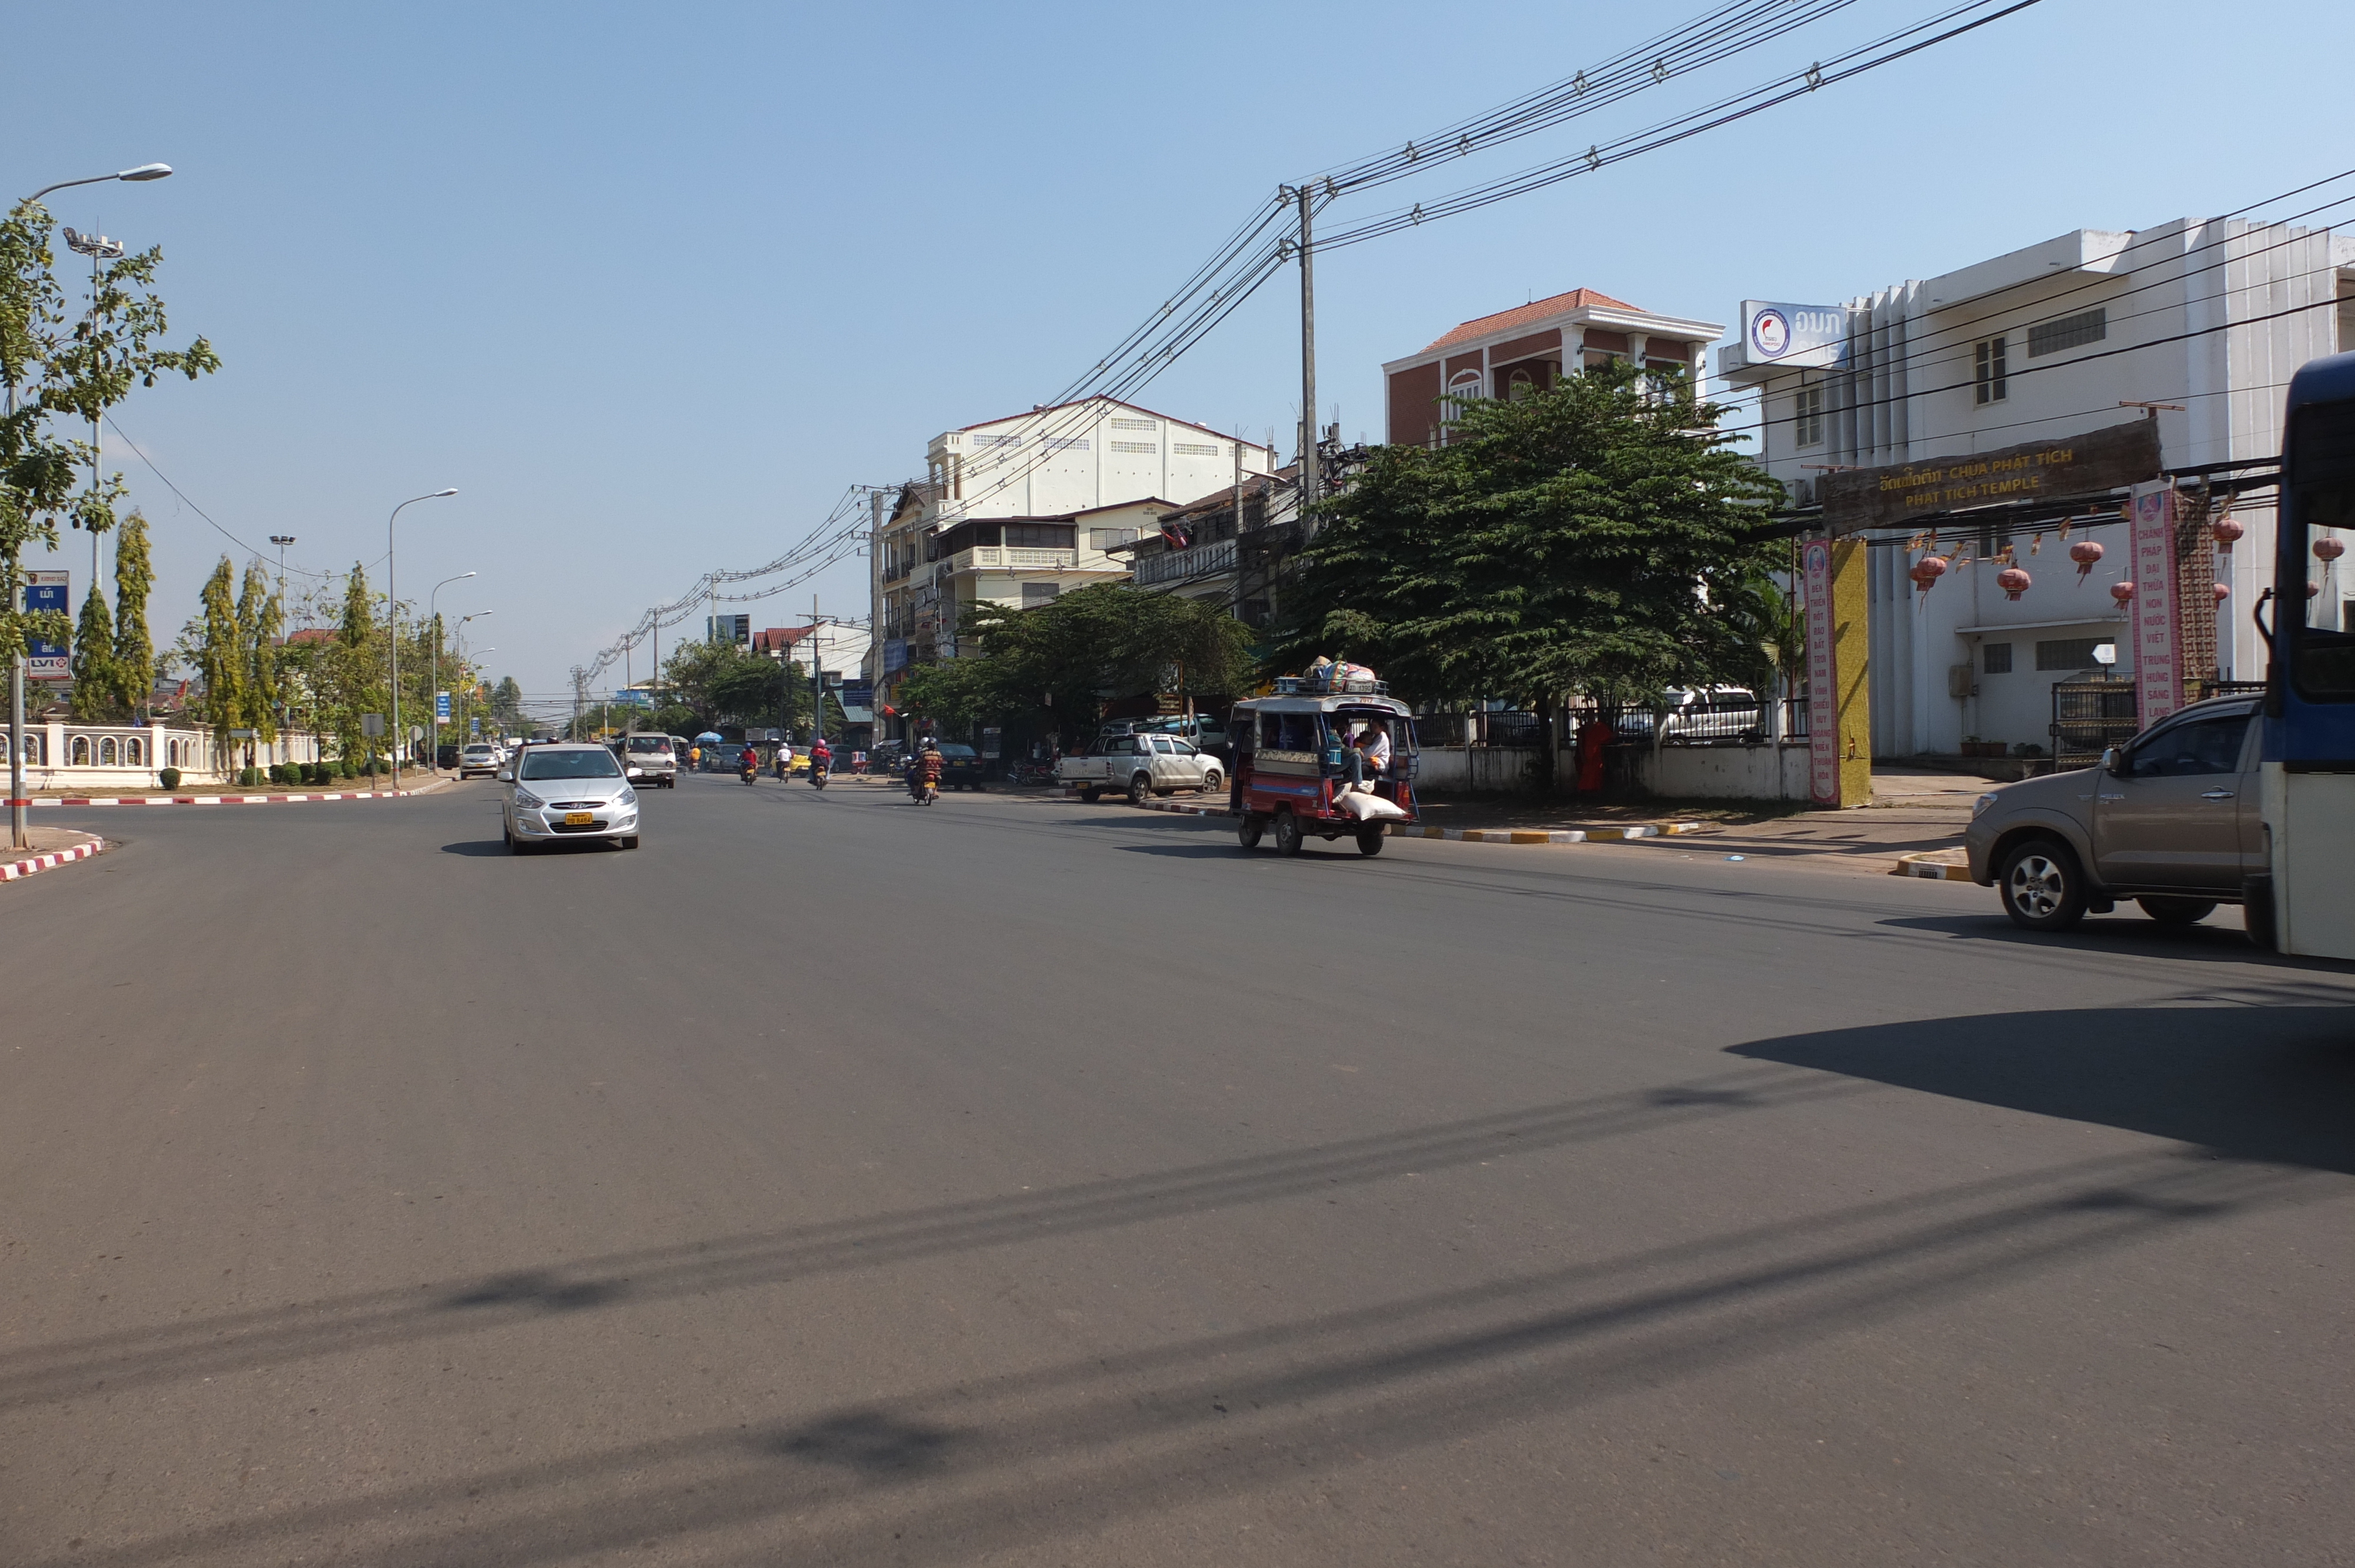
x,y
19,830
433,675
392,622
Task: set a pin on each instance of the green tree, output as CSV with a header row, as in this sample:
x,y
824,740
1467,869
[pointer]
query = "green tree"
x,y
259,621
1587,539
507,704
220,658
65,366
135,666
94,675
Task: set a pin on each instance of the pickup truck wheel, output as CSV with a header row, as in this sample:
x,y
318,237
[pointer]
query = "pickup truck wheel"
x,y
2178,911
1138,788
1248,830
1288,836
2044,888
1212,783
1091,794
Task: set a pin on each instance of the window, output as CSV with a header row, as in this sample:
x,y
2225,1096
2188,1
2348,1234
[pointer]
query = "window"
x,y
1987,371
2205,745
1065,443
997,440
1105,538
134,753
1289,732
1034,594
106,754
1137,424
1164,745
1463,389
541,762
1146,447
2068,332
1040,536
2068,654
1519,385
79,751
1808,416
1120,746
1996,659
1193,448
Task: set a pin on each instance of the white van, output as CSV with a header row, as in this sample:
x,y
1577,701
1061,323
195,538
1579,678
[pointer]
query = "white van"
x,y
649,759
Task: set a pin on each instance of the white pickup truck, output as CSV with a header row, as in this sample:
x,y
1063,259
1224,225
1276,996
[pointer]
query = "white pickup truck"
x,y
1141,765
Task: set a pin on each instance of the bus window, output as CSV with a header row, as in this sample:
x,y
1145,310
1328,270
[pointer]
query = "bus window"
x,y
2321,486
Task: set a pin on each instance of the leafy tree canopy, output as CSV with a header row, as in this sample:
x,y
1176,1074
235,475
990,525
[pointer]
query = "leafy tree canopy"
x,y
1590,538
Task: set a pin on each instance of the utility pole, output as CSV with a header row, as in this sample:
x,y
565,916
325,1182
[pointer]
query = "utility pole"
x,y
1309,476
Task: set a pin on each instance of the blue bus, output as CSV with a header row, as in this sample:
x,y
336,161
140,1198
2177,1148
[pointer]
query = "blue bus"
x,y
2307,906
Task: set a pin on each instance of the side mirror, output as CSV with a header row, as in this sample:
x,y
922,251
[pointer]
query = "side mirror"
x,y
2114,761
507,776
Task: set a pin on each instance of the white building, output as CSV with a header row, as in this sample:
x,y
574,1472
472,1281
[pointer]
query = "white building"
x,y
1018,509
2207,319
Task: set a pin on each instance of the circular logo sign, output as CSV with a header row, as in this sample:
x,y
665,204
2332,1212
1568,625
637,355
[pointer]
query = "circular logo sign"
x,y
1769,334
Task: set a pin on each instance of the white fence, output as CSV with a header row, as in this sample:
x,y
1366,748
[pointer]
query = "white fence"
x,y
111,758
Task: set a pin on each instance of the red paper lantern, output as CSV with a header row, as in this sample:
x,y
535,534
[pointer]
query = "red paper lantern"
x,y
2226,531
2224,592
1927,571
2013,581
2328,549
2121,591
2085,553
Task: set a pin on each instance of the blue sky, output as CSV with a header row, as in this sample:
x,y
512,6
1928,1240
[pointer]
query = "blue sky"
x,y
652,284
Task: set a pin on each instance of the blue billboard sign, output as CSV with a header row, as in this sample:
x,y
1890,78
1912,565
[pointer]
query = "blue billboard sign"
x,y
442,706
48,590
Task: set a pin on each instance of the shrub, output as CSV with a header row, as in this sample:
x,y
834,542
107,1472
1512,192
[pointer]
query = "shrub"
x,y
249,778
169,778
313,774
349,768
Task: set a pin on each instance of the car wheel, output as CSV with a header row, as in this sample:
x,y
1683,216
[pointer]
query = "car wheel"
x,y
2042,887
1288,836
1091,794
1248,830
1371,840
1138,788
2178,911
1212,783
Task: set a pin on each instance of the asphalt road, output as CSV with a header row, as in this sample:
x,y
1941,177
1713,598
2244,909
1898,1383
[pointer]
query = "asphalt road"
x,y
836,1182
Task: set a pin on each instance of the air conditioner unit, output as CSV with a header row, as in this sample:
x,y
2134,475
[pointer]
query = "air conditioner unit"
x,y
1961,680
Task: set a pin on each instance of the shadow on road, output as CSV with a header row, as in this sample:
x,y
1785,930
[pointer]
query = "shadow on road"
x,y
2208,942
2269,1083
477,847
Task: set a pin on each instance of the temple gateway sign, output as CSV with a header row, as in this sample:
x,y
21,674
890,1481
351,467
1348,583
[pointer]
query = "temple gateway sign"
x,y
2108,459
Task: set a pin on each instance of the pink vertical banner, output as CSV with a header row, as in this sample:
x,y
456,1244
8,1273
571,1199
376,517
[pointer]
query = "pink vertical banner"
x,y
1823,701
2158,653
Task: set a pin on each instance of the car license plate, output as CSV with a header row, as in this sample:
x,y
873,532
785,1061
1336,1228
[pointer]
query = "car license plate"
x,y
578,819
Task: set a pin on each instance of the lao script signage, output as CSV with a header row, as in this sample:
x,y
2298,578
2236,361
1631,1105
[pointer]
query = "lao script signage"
x,y
44,659
2159,675
2108,459
1823,737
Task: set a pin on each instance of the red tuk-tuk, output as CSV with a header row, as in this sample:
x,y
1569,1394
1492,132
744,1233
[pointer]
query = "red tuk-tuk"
x,y
1291,767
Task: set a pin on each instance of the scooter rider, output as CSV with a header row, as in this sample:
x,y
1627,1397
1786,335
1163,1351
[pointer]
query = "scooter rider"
x,y
924,768
821,757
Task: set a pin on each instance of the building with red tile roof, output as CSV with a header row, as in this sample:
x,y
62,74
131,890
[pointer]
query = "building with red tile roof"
x,y
1529,347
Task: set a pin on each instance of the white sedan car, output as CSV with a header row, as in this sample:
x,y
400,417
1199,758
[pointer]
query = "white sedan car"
x,y
567,791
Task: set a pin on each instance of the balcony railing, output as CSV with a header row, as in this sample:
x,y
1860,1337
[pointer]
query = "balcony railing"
x,y
1184,566
999,557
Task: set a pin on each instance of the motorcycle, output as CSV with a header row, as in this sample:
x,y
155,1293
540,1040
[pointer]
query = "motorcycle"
x,y
750,770
921,789
818,771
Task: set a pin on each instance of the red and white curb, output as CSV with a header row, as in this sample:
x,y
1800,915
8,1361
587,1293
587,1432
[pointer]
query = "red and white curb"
x,y
221,800
1923,864
11,870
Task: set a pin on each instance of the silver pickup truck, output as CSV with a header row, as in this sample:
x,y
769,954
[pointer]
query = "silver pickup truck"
x,y
1141,765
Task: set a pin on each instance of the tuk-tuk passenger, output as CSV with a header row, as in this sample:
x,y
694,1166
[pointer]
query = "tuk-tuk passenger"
x,y
1370,754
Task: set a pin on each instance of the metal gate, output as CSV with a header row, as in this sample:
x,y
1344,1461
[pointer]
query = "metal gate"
x,y
2088,717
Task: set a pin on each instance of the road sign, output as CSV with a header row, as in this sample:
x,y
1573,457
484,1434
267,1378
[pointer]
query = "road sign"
x,y
372,726
442,706
47,661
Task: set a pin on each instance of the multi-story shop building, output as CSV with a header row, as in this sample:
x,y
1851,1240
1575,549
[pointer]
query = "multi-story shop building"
x,y
2197,325
1018,509
1529,347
